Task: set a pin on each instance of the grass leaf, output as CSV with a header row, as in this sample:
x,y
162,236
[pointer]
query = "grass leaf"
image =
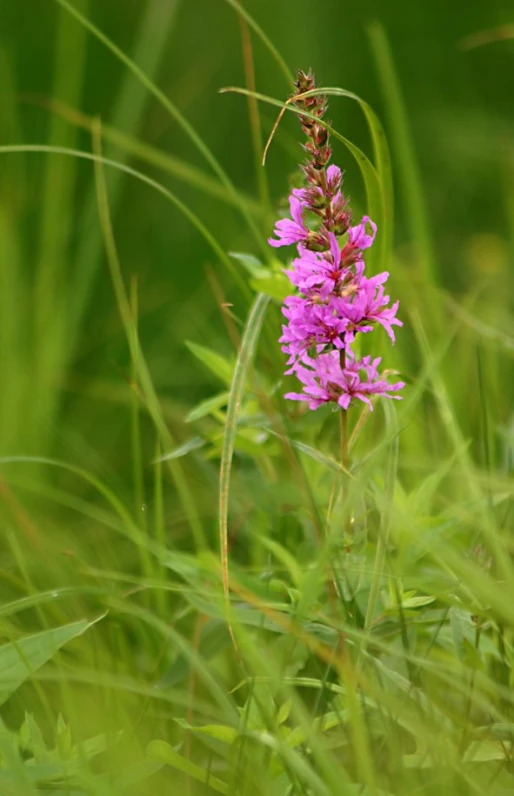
x,y
20,659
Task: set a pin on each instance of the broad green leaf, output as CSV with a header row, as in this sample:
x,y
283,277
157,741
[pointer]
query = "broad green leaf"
x,y
207,407
276,286
254,266
20,659
284,711
325,723
220,366
417,602
191,445
486,751
499,732
31,739
462,631
218,731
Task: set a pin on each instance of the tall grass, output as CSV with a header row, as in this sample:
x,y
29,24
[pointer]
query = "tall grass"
x,y
193,597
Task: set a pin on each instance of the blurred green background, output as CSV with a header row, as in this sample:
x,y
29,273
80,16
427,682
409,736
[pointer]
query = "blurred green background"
x,y
66,376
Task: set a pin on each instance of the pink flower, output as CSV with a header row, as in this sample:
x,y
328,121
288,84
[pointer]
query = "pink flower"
x,y
358,236
335,301
290,231
367,306
323,273
324,381
311,324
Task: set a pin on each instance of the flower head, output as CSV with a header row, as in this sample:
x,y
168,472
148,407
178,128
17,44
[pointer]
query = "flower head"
x,y
336,300
325,381
310,324
369,305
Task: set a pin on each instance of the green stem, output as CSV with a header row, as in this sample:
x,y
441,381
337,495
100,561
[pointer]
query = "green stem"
x,y
345,452
343,422
343,428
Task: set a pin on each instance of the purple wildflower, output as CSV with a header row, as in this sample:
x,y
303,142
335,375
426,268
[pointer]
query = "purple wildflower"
x,y
325,381
324,272
310,324
368,305
358,236
336,300
291,231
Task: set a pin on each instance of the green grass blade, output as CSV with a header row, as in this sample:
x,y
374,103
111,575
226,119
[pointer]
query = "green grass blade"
x,y
383,167
174,113
244,359
143,374
368,171
209,237
127,527
128,110
178,168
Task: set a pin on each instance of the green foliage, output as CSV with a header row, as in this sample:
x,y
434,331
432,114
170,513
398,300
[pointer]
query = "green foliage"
x,y
196,596
20,659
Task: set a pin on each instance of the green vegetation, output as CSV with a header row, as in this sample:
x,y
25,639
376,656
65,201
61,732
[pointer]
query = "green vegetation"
x,y
195,595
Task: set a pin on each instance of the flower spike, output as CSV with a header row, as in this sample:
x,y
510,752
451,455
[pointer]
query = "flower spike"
x,y
335,300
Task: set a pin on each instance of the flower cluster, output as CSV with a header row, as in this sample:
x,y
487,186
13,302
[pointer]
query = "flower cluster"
x,y
335,300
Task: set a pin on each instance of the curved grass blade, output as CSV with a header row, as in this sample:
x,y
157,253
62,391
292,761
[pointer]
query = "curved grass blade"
x,y
382,160
130,145
186,648
381,150
174,112
368,171
487,36
128,527
244,359
139,364
193,218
